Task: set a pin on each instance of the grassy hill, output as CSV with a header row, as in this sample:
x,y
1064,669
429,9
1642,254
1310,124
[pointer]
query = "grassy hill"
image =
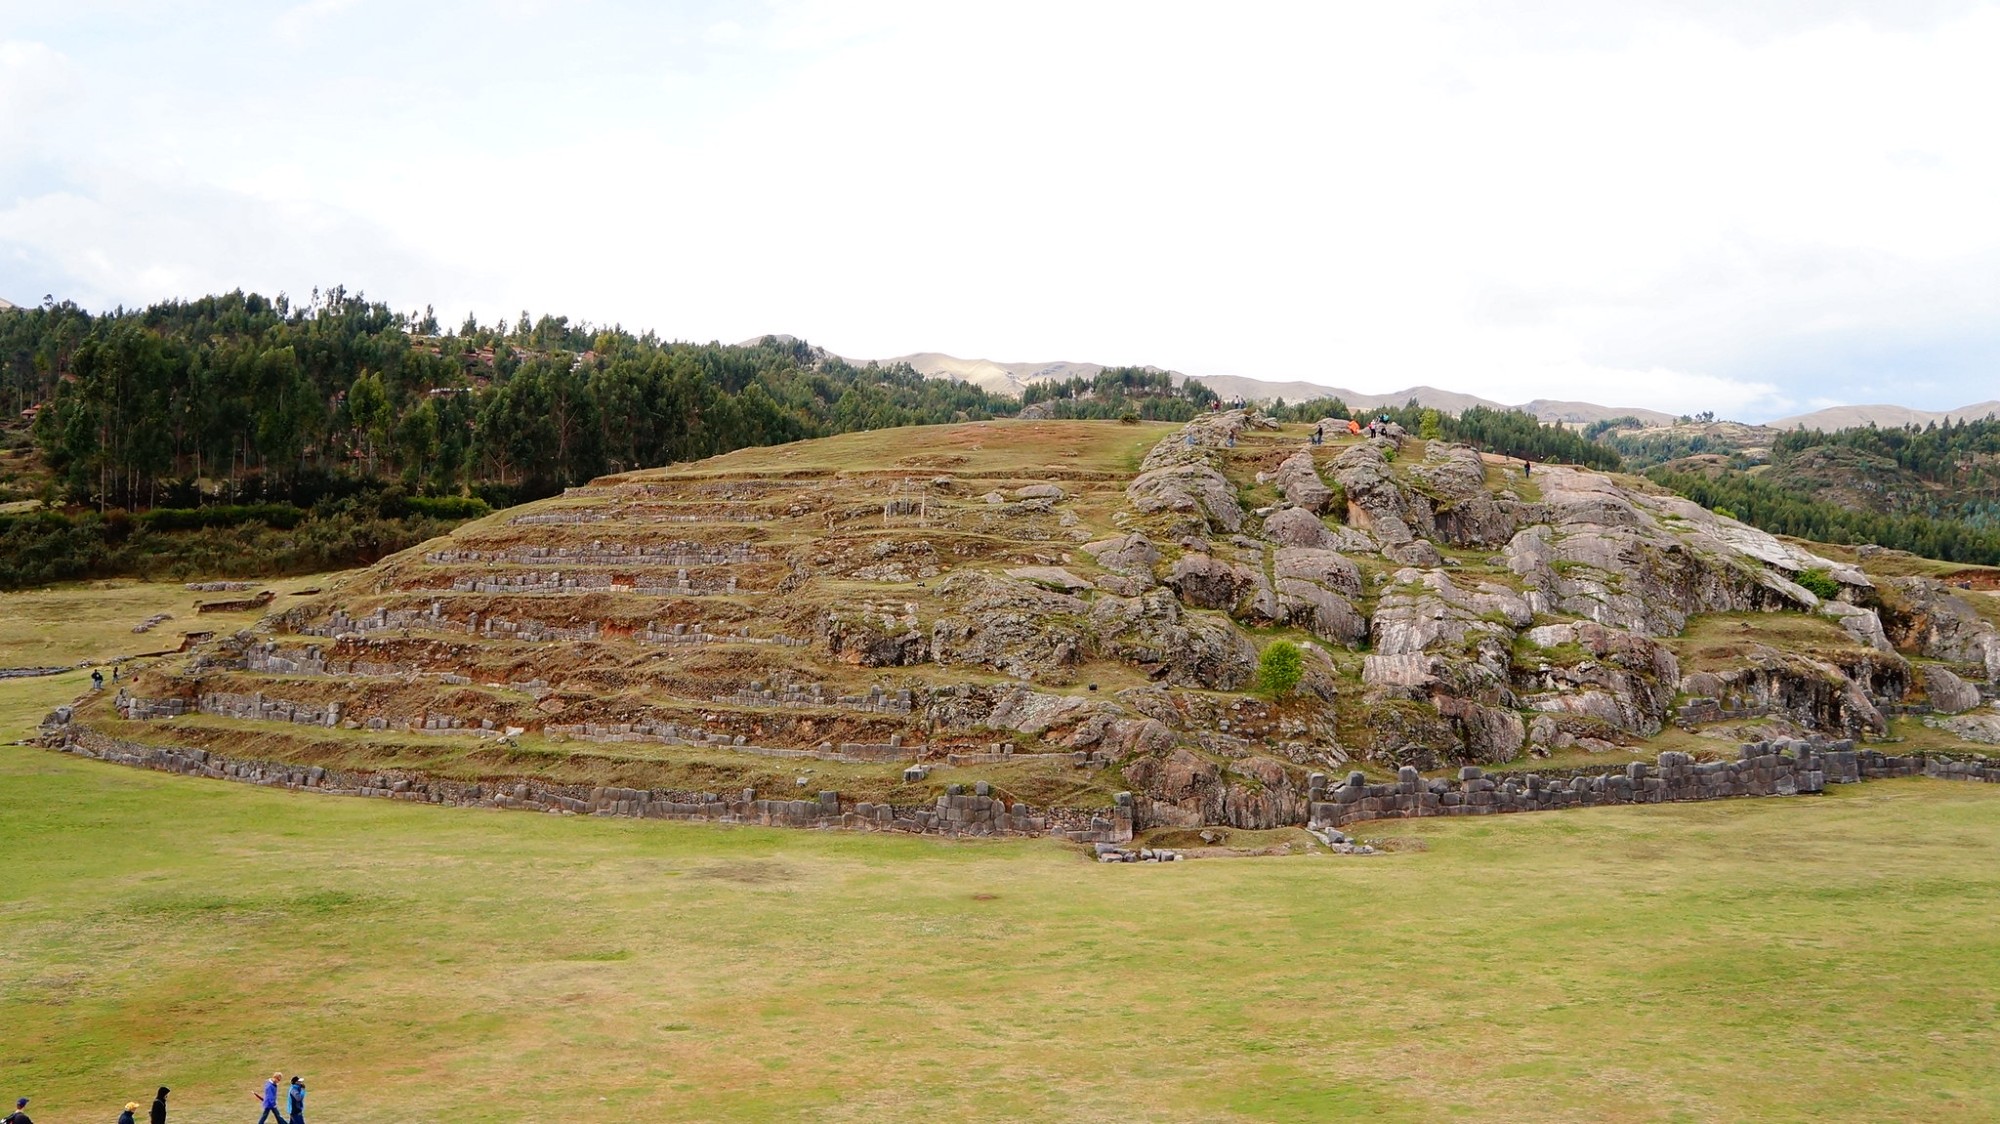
x,y
1067,611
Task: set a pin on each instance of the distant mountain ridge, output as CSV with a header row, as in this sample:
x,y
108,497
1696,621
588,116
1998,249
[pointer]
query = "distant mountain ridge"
x,y
1883,416
1009,378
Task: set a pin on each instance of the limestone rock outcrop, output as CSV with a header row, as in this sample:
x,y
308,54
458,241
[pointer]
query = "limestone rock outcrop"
x,y
1624,680
1948,694
1376,501
1011,626
1934,620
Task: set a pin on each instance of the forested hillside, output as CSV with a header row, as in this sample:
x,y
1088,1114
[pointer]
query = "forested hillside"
x,y
1509,433
249,395
1933,490
1132,393
1949,471
269,416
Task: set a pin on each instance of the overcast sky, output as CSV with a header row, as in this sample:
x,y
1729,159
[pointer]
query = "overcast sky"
x,y
1677,205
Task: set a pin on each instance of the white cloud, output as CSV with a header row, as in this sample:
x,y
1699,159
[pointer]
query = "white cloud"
x,y
295,24
33,78
1685,206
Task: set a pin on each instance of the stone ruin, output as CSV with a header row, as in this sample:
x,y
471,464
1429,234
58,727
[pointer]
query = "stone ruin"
x,y
674,733
697,633
877,700
1778,768
605,554
955,813
1480,623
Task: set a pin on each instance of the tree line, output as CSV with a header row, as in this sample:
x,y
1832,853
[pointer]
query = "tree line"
x,y
1127,393
1509,433
1783,512
1960,458
253,396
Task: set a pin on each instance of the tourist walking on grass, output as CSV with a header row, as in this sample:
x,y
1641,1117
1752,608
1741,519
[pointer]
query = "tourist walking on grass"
x,y
270,1099
298,1099
20,1113
160,1106
126,1116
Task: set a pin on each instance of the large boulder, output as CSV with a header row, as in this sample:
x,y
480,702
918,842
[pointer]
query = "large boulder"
x,y
1323,612
1187,650
1207,582
1183,789
1013,627
1639,579
1463,511
1972,727
1581,668
1299,480
1193,489
1321,567
1295,526
1132,554
1834,695
1424,609
1931,619
1947,692
1862,624
1376,503
1196,440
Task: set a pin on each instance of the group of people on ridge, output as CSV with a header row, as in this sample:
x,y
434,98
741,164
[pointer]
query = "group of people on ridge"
x,y
295,1101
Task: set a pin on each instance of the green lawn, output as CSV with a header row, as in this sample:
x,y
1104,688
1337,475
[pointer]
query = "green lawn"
x,y
93,620
1817,958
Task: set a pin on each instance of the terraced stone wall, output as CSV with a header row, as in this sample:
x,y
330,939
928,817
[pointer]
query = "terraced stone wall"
x,y
29,672
956,813
878,700
606,554
673,733
1781,768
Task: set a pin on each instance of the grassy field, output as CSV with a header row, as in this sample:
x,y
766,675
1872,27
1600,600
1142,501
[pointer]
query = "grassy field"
x,y
1805,959
68,624
94,620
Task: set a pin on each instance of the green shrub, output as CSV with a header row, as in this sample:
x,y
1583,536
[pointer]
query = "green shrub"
x,y
1820,583
1280,668
281,515
447,507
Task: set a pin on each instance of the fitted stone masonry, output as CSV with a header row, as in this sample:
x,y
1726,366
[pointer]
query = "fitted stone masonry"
x,y
955,813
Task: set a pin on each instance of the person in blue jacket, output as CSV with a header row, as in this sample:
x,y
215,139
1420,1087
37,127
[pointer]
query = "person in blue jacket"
x,y
298,1099
270,1100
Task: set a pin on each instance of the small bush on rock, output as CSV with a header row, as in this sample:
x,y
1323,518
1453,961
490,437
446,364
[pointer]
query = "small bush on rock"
x,y
1820,583
1280,668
